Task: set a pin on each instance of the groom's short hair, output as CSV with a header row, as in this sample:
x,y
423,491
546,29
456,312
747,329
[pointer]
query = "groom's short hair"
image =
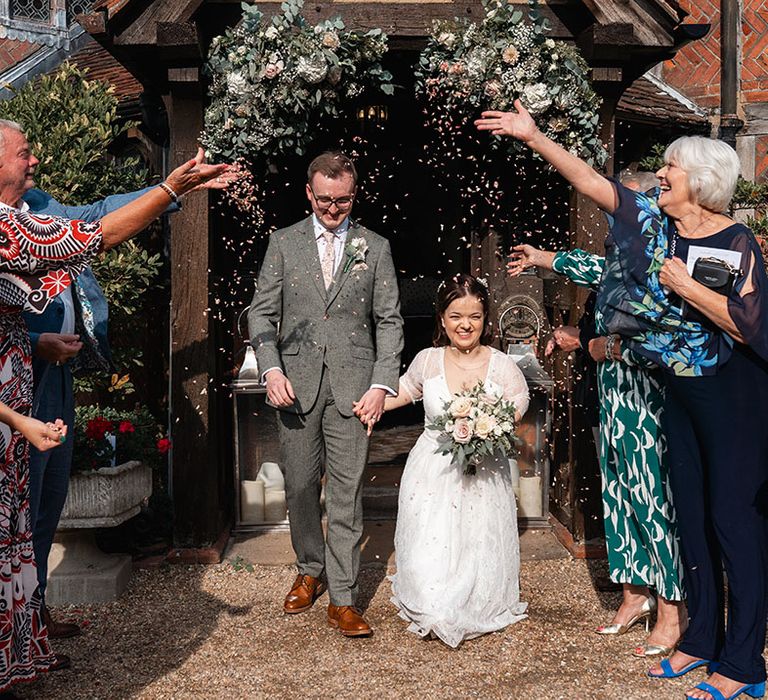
x,y
332,164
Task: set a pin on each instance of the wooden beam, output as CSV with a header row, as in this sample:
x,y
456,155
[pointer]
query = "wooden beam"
x,y
196,476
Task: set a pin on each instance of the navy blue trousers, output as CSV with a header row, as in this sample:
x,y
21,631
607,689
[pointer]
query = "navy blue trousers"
x,y
717,435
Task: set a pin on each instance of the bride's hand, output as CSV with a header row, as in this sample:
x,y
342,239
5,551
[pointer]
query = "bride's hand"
x,y
518,124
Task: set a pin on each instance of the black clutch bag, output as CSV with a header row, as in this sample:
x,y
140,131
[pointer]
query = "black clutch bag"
x,y
715,274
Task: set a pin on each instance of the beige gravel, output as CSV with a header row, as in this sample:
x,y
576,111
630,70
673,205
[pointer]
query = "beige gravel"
x,y
217,632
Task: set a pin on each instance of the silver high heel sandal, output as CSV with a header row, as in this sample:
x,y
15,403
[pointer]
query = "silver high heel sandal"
x,y
646,609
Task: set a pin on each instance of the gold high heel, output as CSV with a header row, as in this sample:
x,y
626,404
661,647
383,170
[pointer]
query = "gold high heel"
x,y
648,607
645,650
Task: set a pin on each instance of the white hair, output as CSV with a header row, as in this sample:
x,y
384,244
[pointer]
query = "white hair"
x,y
712,167
8,125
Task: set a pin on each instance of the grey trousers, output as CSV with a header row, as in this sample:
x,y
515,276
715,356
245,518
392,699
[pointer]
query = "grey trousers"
x,y
304,441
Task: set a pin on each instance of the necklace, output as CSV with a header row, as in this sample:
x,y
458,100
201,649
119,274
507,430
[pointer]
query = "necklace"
x,y
461,366
676,235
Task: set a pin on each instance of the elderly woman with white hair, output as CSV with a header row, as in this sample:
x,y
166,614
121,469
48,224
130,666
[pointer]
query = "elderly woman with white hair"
x,y
716,385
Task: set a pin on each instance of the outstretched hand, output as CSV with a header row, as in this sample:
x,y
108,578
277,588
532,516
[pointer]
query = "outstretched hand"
x,y
220,182
522,257
195,173
518,124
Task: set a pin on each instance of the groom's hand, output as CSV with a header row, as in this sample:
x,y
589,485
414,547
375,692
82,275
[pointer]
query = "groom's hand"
x,y
279,389
370,407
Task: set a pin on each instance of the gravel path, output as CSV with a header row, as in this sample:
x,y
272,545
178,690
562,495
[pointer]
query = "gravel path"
x,y
217,632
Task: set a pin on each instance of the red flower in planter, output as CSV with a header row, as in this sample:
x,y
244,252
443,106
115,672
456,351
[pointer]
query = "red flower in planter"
x,y
98,427
163,445
126,427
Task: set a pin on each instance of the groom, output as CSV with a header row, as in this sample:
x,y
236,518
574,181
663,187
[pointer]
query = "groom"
x,y
329,286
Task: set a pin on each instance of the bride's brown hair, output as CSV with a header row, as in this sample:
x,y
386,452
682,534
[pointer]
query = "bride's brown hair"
x,y
456,287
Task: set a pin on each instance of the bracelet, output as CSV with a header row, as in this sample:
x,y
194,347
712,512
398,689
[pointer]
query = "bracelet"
x,y
165,187
610,339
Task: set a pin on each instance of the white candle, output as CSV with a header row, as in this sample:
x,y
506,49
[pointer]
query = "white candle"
x,y
514,471
530,497
272,477
274,506
252,501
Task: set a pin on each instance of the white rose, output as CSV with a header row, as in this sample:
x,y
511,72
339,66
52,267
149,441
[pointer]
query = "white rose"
x,y
447,39
536,97
549,43
272,33
460,407
484,425
236,83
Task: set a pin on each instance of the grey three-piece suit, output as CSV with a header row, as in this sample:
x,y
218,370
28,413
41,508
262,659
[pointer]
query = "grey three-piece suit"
x,y
332,345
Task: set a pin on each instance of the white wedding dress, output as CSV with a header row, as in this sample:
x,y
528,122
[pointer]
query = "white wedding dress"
x,y
456,543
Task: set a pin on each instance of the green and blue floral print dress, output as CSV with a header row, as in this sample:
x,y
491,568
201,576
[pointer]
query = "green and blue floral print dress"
x,y
639,514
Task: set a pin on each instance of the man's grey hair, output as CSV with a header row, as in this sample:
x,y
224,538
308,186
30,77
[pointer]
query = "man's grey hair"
x,y
8,125
642,180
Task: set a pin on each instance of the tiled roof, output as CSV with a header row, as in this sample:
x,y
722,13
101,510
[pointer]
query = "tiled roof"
x,y
647,102
12,51
103,66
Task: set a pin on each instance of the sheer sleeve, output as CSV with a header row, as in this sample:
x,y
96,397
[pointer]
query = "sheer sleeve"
x,y
39,256
581,267
747,303
513,385
412,382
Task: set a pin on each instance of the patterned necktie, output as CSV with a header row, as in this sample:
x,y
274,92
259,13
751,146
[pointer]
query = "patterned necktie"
x,y
329,258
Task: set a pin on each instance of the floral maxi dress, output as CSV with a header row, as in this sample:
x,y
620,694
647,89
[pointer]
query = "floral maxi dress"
x,y
37,256
639,515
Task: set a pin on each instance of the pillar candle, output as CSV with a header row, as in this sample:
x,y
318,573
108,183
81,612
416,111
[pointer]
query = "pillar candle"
x,y
514,471
274,506
252,501
272,477
530,496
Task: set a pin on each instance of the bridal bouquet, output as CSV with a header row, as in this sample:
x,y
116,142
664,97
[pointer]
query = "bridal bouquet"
x,y
476,424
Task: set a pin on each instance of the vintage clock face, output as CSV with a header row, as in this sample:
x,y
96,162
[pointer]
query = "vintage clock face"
x,y
520,318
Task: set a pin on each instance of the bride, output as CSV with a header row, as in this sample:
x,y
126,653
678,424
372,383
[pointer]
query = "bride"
x,y
456,542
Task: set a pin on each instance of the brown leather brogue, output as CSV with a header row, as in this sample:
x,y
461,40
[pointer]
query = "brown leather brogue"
x,y
59,630
348,620
305,591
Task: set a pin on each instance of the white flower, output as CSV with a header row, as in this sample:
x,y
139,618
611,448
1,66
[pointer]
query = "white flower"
x,y
242,50
506,426
236,83
536,97
549,43
447,39
272,33
484,425
492,88
558,124
273,69
312,68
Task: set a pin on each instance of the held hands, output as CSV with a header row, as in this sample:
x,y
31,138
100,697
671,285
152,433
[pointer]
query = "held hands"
x,y
279,389
597,348
674,275
43,436
57,347
196,173
518,124
565,338
370,407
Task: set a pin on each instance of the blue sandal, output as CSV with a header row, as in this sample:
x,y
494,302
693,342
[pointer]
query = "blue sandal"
x,y
669,672
756,690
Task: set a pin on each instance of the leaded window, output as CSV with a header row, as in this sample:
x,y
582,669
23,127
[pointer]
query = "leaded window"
x,y
31,10
77,7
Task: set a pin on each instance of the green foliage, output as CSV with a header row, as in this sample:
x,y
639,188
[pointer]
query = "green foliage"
x,y
468,67
71,122
275,84
655,159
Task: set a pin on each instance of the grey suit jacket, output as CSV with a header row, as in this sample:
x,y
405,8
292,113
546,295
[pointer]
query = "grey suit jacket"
x,y
355,327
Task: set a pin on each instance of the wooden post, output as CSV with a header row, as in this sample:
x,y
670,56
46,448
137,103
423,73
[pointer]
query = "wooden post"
x,y
196,476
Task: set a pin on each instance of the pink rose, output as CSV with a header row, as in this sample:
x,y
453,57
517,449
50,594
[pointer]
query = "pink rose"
x,y
462,431
460,407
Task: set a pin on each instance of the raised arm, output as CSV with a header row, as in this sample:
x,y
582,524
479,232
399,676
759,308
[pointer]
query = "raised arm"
x,y
583,177
128,220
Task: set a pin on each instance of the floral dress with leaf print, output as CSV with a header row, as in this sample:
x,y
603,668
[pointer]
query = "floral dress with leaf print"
x,y
39,255
639,515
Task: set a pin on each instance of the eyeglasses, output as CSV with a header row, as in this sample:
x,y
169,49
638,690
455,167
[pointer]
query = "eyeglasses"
x,y
325,202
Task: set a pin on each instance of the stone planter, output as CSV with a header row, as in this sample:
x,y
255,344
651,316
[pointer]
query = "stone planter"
x,y
78,571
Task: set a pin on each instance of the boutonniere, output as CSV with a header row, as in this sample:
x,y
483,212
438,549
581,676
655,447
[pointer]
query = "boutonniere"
x,y
356,250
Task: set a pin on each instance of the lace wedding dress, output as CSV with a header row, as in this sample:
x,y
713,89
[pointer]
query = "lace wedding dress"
x,y
456,543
